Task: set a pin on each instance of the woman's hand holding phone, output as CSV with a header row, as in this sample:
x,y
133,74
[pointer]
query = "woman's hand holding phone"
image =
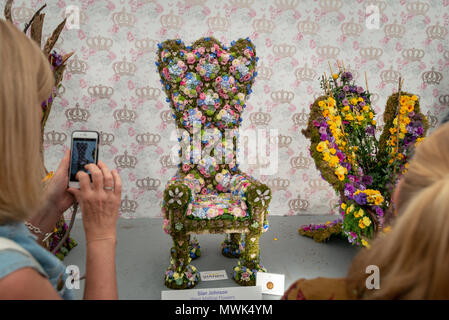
x,y
99,201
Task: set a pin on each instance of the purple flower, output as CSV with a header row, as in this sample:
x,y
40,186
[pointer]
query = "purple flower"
x,y
345,102
323,137
349,190
345,88
322,130
370,130
379,211
346,76
360,90
340,156
367,180
316,123
361,198
362,103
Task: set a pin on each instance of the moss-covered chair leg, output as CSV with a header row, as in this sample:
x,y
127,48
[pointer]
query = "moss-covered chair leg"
x,y
232,245
181,274
249,264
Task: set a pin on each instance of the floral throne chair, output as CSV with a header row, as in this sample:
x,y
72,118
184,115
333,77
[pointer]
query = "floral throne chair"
x,y
207,85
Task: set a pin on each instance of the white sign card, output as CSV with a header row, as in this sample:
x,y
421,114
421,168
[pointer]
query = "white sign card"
x,y
231,293
213,275
271,283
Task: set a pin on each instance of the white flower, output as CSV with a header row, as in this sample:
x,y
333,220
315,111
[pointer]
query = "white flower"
x,y
262,197
175,196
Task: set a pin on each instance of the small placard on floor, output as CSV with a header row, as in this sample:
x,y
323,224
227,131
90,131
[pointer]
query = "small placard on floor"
x,y
213,275
232,293
271,283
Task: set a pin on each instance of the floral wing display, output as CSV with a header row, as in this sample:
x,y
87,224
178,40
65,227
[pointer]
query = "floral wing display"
x,y
361,169
59,243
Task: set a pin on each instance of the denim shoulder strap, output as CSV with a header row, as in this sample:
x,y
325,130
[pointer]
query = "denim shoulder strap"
x,y
7,244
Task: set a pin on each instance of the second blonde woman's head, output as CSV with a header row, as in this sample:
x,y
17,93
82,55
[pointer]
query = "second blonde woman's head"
x,y
26,81
414,256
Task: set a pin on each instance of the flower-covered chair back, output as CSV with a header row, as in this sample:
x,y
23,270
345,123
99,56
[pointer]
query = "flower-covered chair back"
x,y
207,85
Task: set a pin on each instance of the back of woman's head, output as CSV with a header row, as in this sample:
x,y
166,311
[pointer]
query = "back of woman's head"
x,y
413,257
26,81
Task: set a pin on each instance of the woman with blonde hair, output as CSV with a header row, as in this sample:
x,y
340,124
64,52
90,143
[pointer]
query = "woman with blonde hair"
x,y
27,270
412,258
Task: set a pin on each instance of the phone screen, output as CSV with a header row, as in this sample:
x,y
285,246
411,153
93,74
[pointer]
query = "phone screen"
x,y
84,151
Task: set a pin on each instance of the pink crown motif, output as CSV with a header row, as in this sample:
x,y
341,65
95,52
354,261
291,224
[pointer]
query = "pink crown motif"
x,y
298,204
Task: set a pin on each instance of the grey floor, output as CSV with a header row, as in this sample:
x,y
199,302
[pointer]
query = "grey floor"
x,y
143,255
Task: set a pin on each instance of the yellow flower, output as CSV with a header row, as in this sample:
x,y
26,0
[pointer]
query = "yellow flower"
x,y
321,146
359,213
365,243
335,76
346,108
371,115
414,98
360,118
373,122
361,224
343,206
176,275
366,221
321,103
349,117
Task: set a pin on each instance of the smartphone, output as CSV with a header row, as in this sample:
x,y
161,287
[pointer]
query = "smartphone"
x,y
83,150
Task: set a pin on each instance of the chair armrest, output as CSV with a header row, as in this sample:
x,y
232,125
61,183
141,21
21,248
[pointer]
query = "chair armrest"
x,y
255,193
177,194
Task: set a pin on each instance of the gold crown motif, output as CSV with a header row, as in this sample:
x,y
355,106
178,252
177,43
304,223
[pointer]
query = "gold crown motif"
x,y
390,75
148,93
167,162
282,96
128,206
171,21
328,52
433,120
278,184
106,138
123,19
436,32
284,50
298,204
432,77
260,118
241,3
413,54
351,29
77,114
301,118
394,30
55,138
125,115
263,25
100,92
318,184
283,141
148,139
124,68
99,43
308,27
285,5
444,99
76,66
125,161
264,73
218,23
330,5
300,162
22,14
146,45
371,53
417,8
148,183
167,116
305,74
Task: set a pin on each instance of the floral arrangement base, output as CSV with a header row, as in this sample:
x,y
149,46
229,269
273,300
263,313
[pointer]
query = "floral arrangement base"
x,y
322,232
194,249
246,276
69,244
181,280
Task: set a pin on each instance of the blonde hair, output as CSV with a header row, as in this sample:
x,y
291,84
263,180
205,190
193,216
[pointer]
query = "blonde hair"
x,y
413,257
26,81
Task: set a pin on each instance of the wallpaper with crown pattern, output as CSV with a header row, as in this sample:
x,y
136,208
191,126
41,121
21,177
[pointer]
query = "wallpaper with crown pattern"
x,y
111,84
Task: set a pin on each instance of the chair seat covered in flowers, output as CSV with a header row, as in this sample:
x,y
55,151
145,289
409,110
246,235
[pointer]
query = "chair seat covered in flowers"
x,y
207,85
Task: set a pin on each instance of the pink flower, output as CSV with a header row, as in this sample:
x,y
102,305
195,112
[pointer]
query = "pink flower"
x,y
232,69
201,50
218,79
204,191
202,96
217,105
166,73
247,77
227,107
185,167
219,187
